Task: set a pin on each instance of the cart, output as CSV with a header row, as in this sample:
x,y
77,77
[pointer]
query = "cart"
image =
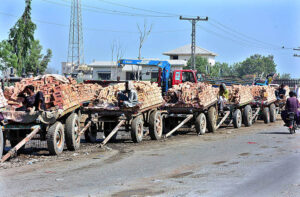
x,y
192,116
267,110
56,127
109,120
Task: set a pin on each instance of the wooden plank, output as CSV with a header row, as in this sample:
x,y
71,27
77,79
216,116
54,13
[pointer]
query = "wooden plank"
x,y
180,125
112,133
223,119
85,128
12,151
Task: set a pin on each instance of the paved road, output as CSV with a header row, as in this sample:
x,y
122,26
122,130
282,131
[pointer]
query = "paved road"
x,y
262,160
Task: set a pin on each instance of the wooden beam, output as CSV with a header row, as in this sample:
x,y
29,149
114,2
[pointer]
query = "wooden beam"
x,y
180,125
223,119
112,133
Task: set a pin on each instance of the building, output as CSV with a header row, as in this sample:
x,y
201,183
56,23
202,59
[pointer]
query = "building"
x,y
108,70
184,53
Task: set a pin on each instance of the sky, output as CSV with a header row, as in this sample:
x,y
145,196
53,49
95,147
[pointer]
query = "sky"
x,y
235,30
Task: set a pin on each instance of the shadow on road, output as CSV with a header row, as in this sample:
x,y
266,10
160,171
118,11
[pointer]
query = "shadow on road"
x,y
280,132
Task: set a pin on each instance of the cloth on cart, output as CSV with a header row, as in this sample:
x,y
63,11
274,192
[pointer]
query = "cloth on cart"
x,y
56,76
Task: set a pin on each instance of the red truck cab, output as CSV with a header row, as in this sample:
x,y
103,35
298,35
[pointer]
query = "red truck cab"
x,y
181,76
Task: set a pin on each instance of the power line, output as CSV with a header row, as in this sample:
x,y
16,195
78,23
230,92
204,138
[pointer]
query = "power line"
x,y
223,27
93,29
105,11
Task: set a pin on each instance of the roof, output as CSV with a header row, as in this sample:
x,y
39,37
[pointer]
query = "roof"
x,y
114,64
186,50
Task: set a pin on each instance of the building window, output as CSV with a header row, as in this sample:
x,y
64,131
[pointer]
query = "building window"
x,y
132,75
154,76
104,76
174,57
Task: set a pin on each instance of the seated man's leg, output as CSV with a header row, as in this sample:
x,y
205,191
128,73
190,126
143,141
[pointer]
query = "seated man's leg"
x,y
39,101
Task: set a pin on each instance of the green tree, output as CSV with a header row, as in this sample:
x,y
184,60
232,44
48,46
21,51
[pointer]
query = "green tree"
x,y
256,64
21,50
201,64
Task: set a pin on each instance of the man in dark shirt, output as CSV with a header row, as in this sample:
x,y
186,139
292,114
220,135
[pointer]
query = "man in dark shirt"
x,y
292,105
281,92
31,100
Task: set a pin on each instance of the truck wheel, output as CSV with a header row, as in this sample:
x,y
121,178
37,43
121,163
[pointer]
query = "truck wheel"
x,y
108,127
200,124
1,143
272,112
237,118
247,116
266,115
155,125
212,119
72,130
55,138
91,133
137,129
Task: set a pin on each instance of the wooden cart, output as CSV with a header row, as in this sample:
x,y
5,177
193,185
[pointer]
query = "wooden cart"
x,y
267,110
110,120
55,127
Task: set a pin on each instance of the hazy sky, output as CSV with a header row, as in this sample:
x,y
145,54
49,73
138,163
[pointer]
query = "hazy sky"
x,y
236,29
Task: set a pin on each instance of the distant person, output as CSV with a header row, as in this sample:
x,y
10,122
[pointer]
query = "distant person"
x,y
281,92
32,100
223,96
292,105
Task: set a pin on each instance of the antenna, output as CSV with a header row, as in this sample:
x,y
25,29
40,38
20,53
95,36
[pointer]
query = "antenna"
x,y
75,51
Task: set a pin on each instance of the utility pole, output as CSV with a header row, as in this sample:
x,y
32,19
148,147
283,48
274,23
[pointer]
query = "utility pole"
x,y
193,46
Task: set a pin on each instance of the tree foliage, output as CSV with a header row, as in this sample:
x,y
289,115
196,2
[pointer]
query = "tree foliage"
x,y
285,76
21,50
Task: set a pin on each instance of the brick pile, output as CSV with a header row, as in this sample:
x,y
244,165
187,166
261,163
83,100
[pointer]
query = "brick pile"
x,y
239,94
57,93
3,101
192,95
265,93
149,94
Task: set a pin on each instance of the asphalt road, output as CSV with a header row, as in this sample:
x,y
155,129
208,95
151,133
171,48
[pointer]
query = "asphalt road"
x,y
262,160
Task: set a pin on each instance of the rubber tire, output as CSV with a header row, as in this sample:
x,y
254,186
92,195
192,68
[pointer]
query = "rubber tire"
x,y
200,124
53,147
212,119
247,116
266,115
1,143
155,125
72,131
272,112
109,127
237,118
137,129
90,134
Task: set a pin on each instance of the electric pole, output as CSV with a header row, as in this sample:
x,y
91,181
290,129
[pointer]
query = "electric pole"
x,y
193,46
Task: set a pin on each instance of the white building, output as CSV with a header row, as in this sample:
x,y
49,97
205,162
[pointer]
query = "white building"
x,y
108,70
185,52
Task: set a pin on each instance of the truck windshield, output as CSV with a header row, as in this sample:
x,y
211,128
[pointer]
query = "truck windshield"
x,y
187,76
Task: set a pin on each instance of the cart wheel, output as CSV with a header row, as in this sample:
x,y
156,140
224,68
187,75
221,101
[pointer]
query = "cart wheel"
x,y
212,119
272,112
200,124
72,130
55,138
266,115
247,116
108,127
155,125
91,133
237,118
137,129
2,143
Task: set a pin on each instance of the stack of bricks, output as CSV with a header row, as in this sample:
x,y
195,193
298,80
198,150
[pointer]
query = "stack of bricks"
x,y
189,94
87,92
58,94
265,93
3,101
239,94
149,94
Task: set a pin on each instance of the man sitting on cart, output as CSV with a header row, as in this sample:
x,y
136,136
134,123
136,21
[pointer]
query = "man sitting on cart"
x,y
128,97
223,96
292,105
32,101
280,93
